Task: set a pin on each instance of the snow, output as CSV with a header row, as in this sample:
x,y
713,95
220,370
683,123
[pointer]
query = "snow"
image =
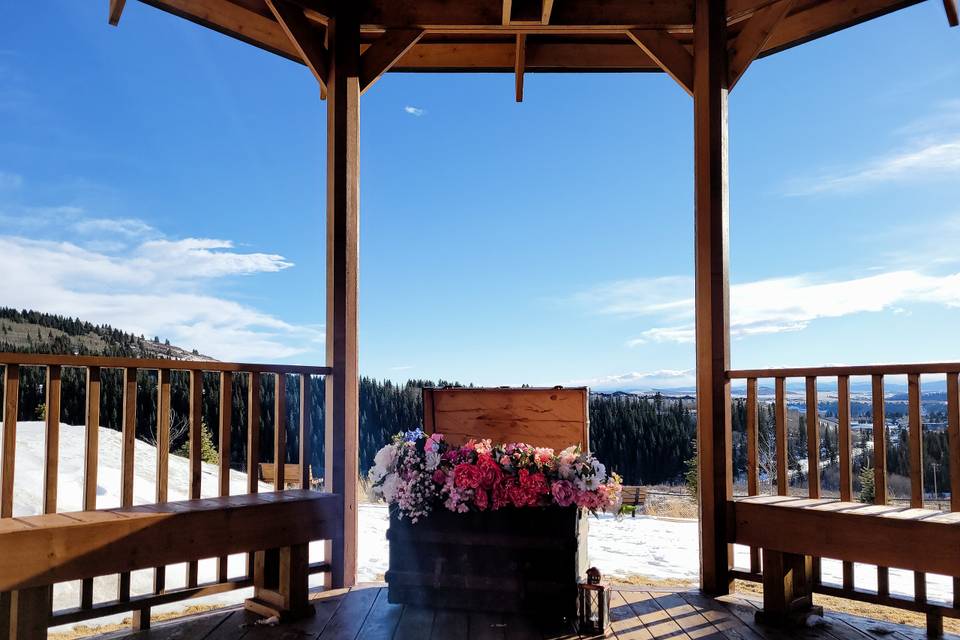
x,y
644,546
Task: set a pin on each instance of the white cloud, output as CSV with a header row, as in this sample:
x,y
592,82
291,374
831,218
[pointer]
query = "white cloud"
x,y
130,227
154,290
404,367
414,111
10,180
774,305
931,150
635,381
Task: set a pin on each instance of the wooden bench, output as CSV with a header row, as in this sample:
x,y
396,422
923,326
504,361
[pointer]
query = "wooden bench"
x,y
291,475
633,497
38,551
790,531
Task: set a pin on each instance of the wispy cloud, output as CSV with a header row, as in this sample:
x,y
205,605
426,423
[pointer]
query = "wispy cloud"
x,y
414,111
930,150
932,160
773,305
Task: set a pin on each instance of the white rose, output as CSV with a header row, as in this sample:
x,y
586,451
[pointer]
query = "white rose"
x,y
433,460
386,457
599,470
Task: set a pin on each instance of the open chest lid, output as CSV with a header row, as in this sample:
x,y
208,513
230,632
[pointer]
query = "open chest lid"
x,y
544,417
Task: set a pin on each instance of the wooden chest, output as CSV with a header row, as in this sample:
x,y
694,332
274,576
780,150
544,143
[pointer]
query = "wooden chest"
x,y
512,560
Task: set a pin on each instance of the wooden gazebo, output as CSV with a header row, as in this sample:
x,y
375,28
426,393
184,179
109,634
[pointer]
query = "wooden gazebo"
x,y
706,46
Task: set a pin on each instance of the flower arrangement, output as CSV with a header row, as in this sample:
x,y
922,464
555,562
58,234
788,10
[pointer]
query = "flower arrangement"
x,y
417,473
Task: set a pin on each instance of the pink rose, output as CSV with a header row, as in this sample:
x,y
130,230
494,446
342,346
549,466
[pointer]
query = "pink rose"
x,y
489,471
535,483
466,476
501,492
563,493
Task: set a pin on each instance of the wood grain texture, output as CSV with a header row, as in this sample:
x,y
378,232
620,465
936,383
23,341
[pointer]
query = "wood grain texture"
x,y
305,473
51,462
753,37
926,540
384,53
520,66
343,263
279,431
712,288
43,360
11,404
782,436
63,547
554,418
667,52
91,447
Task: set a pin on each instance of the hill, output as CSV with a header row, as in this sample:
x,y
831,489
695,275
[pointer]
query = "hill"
x,y
36,332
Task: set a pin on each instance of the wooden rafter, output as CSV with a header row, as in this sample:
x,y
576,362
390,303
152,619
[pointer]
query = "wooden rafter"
x,y
754,37
953,15
507,12
546,9
668,53
384,53
116,10
304,37
520,64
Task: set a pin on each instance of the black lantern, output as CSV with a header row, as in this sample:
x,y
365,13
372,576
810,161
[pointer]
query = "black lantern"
x,y
593,603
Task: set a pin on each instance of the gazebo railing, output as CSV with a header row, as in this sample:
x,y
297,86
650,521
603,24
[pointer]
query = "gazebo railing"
x,y
842,375
228,374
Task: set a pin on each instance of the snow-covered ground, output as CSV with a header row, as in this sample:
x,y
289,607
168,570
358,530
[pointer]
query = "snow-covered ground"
x,y
655,548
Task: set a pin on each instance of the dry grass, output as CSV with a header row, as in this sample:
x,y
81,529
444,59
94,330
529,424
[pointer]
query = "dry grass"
x,y
862,609
85,631
675,505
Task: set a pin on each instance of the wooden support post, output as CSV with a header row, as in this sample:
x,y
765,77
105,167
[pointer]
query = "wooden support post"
x,y
787,589
712,292
52,441
280,583
30,613
343,210
91,447
880,466
226,425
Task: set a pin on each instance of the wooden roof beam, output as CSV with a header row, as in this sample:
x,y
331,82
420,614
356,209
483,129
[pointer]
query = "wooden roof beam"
x,y
448,14
520,64
305,38
753,38
384,53
547,8
668,53
953,15
116,9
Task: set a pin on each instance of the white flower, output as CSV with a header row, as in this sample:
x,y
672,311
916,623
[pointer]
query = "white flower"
x,y
386,457
390,486
565,470
433,460
599,470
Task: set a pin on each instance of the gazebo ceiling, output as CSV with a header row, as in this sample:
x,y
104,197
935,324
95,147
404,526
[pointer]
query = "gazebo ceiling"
x,y
532,35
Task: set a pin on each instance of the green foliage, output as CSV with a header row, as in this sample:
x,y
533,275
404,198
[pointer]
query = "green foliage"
x,y
208,450
867,486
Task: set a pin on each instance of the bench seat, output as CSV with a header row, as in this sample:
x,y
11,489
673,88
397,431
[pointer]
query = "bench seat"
x,y
889,536
39,551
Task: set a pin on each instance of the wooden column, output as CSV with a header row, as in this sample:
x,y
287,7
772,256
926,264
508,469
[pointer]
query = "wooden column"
x,y
712,291
343,210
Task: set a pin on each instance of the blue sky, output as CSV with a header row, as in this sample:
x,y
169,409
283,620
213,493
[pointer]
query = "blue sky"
x,y
169,180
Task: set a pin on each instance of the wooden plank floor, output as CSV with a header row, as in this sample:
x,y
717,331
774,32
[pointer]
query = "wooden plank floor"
x,y
637,614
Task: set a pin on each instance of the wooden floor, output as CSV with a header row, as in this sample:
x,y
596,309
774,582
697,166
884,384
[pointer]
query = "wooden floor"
x,y
364,613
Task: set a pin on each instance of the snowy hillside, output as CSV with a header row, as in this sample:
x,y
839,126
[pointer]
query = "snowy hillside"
x,y
644,546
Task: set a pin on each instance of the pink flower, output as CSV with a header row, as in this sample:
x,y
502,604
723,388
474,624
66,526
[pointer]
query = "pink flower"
x,y
439,476
535,483
563,493
489,471
466,476
587,500
481,499
501,492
